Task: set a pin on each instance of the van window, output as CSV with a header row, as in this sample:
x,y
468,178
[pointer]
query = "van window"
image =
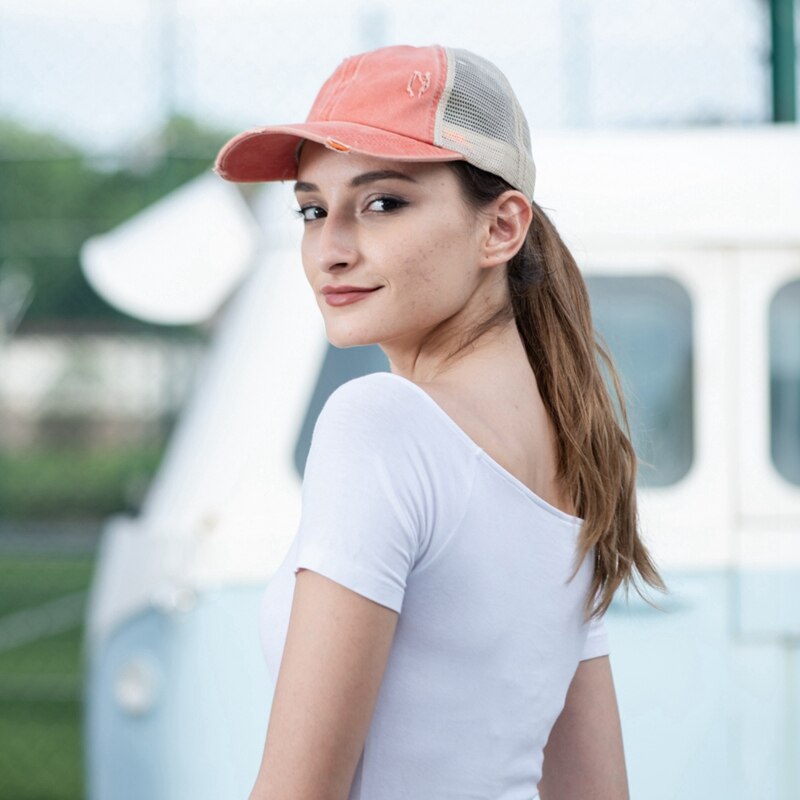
x,y
784,380
646,322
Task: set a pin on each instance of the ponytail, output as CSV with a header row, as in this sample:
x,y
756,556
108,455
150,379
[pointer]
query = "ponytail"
x,y
596,462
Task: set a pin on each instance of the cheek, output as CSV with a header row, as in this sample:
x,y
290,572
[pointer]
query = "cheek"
x,y
446,256
438,245
432,274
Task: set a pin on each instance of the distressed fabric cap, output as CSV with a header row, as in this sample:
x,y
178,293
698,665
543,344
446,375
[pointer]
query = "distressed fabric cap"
x,y
406,103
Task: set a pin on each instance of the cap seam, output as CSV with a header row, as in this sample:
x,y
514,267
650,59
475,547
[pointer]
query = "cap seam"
x,y
441,55
447,88
348,67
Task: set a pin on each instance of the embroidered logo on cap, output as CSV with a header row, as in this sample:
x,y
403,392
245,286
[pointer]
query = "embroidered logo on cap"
x,y
424,79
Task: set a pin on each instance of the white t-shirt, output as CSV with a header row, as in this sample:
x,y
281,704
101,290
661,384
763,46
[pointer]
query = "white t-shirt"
x,y
400,505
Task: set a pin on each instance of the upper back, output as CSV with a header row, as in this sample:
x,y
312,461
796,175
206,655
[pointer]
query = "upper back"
x,y
516,432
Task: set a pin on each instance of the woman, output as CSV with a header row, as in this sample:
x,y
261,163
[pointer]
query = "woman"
x,y
437,625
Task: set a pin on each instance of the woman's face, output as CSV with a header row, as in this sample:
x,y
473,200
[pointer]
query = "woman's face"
x,y
400,228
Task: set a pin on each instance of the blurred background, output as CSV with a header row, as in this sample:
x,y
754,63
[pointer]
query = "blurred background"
x,y
120,407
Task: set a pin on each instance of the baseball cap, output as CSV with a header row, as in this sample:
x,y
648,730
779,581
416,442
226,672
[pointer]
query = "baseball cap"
x,y
406,103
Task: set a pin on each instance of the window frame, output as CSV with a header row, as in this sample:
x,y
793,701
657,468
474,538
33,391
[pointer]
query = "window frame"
x,y
765,492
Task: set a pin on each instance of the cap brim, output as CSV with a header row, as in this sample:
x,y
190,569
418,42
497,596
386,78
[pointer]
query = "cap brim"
x,y
269,153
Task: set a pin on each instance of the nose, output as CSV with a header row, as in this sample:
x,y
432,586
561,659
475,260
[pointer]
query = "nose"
x,y
336,243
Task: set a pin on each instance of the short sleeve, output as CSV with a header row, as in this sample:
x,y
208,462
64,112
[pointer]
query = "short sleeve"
x,y
362,511
596,643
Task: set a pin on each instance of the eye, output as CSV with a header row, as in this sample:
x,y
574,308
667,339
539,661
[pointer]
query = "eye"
x,y
386,204
309,213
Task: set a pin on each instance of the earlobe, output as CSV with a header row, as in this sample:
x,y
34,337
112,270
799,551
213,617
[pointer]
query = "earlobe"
x,y
509,220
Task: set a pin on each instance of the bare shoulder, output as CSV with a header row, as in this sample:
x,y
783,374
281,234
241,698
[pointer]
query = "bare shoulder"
x,y
584,757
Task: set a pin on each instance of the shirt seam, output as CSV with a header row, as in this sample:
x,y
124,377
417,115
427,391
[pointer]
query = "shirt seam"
x,y
418,569
330,560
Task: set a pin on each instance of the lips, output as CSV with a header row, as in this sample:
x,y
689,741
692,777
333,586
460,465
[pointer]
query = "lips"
x,y
343,295
347,289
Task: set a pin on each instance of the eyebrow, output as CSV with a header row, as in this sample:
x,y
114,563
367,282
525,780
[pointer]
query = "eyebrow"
x,y
359,180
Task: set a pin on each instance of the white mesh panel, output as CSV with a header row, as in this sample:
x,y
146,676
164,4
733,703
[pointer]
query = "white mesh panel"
x,y
480,117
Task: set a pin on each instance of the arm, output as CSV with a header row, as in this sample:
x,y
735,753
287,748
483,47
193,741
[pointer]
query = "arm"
x,y
584,757
337,647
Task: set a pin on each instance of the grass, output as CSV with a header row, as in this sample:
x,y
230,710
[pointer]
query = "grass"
x,y
28,579
41,654
41,733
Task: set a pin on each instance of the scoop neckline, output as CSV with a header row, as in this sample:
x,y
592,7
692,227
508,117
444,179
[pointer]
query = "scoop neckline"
x,y
510,477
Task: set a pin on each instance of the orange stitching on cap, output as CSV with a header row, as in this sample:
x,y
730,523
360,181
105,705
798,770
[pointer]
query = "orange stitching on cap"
x,y
335,144
425,81
453,135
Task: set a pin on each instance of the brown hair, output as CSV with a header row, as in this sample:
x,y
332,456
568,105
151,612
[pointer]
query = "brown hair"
x,y
596,461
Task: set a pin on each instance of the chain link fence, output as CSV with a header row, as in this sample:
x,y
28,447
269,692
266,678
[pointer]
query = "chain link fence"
x,y
104,110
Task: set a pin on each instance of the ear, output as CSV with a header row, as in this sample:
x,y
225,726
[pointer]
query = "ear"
x,y
508,218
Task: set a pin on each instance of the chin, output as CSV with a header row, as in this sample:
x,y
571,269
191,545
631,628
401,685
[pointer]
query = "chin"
x,y
350,339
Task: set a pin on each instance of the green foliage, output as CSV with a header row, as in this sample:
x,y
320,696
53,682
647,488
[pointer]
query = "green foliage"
x,y
74,482
53,197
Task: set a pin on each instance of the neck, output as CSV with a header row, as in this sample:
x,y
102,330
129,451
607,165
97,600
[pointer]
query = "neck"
x,y
498,358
